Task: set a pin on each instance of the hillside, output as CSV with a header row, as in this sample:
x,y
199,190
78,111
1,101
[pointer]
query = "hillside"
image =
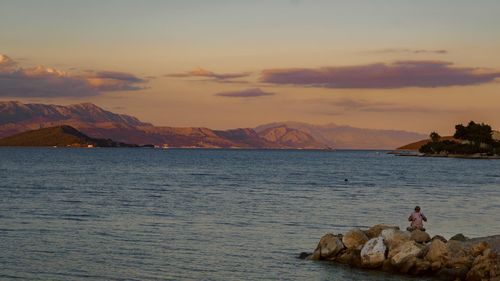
x,y
16,117
61,136
418,144
347,137
285,136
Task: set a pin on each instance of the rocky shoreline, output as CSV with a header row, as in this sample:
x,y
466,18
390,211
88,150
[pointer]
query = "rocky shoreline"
x,y
387,248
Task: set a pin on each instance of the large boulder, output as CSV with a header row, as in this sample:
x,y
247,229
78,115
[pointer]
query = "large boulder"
x,y
354,239
458,255
438,252
375,230
459,237
485,267
439,237
405,251
421,267
329,246
394,238
478,248
351,257
420,236
451,273
373,253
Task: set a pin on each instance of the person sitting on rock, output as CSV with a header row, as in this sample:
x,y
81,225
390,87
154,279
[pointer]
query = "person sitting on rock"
x,y
417,220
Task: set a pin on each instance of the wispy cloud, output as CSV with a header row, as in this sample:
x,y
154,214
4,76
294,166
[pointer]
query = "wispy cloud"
x,y
345,106
108,81
400,74
49,82
200,72
376,106
247,93
410,51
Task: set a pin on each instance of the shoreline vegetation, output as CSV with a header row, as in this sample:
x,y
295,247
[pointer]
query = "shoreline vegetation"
x,y
474,141
387,248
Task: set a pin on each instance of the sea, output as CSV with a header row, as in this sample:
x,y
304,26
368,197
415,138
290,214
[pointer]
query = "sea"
x,y
202,214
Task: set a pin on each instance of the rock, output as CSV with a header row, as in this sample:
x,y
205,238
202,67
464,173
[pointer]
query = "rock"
x,y
393,239
451,274
459,237
485,267
478,248
354,238
458,257
436,265
405,251
420,236
439,237
375,230
421,267
438,252
373,253
304,255
387,266
407,264
329,246
351,257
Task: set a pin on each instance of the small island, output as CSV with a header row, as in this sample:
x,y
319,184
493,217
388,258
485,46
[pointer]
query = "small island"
x,y
475,141
58,136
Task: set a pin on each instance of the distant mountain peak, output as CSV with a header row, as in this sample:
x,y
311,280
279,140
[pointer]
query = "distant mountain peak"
x,y
285,136
348,137
17,113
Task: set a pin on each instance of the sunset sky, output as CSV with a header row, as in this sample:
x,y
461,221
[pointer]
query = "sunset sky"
x,y
412,65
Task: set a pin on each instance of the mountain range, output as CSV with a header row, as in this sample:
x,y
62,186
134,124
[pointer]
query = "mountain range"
x,y
16,117
347,137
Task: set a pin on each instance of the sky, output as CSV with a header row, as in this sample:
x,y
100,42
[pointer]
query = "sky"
x,y
385,64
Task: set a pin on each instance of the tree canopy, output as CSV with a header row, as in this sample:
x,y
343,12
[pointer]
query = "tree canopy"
x,y
473,138
474,132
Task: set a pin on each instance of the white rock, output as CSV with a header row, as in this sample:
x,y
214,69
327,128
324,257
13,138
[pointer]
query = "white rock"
x,y
373,253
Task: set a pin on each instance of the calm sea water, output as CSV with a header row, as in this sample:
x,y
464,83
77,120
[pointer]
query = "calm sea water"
x,y
145,214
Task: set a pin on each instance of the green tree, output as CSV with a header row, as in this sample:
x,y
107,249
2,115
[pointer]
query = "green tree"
x,y
476,133
435,137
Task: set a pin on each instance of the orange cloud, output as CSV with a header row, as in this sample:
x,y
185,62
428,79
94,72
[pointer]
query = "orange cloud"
x,y
6,62
49,82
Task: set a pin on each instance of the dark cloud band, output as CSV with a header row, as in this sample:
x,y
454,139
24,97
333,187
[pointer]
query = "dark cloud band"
x,y
248,93
401,74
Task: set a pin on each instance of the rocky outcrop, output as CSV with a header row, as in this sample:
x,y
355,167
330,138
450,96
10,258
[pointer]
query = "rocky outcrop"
x,y
415,253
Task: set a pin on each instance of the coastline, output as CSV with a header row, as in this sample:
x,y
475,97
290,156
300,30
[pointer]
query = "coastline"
x,y
408,153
